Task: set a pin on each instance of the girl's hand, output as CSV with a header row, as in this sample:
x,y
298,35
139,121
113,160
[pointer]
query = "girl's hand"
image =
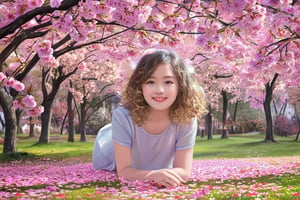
x,y
165,177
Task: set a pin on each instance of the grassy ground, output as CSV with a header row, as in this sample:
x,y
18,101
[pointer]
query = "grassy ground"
x,y
58,148
241,146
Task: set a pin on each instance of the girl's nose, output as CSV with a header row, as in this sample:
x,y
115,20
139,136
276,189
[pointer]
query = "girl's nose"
x,y
159,89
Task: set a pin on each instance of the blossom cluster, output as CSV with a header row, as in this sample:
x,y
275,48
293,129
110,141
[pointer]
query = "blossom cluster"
x,y
26,103
11,82
45,52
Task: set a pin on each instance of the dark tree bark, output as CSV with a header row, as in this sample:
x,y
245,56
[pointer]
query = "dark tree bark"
x,y
224,116
269,137
70,117
9,145
46,121
82,120
208,124
232,127
31,127
18,117
2,122
63,123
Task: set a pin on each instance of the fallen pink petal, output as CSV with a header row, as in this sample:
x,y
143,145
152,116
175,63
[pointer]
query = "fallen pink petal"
x,y
296,194
45,179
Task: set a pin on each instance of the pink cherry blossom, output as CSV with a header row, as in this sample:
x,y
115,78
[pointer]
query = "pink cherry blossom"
x,y
143,14
64,23
166,7
9,82
28,101
16,104
82,66
2,76
36,111
17,85
44,49
55,3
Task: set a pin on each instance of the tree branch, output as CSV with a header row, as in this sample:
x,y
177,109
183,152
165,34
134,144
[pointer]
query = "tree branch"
x,y
18,22
26,34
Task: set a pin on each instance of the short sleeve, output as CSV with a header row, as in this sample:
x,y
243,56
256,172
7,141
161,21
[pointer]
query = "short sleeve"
x,y
122,127
187,135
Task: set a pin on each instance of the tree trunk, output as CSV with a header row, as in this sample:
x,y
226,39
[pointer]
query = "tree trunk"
x,y
18,117
267,108
2,123
9,145
46,122
31,127
208,124
232,127
224,117
82,121
31,130
70,117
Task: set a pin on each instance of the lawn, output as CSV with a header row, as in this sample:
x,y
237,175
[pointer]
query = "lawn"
x,y
241,167
243,146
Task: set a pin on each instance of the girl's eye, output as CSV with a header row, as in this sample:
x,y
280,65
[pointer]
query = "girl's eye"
x,y
169,82
149,82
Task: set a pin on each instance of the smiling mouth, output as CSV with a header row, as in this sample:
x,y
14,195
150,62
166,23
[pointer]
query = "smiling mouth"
x,y
159,99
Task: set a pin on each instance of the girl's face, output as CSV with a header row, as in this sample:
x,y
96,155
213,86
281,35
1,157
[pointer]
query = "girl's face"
x,y
161,88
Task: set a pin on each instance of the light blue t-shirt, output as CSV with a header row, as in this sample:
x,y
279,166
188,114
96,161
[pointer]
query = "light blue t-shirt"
x,y
149,152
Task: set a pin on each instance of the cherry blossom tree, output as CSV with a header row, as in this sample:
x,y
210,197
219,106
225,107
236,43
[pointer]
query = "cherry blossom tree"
x,y
92,87
259,50
294,99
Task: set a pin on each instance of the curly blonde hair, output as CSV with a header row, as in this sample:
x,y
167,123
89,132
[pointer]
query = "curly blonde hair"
x,y
190,101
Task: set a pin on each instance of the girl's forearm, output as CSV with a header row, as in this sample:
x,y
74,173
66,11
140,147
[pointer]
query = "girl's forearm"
x,y
129,173
137,174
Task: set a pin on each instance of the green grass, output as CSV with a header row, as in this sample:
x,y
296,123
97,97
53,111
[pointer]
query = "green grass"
x,y
58,148
241,146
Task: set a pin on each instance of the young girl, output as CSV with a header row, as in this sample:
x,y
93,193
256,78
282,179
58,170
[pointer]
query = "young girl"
x,y
153,132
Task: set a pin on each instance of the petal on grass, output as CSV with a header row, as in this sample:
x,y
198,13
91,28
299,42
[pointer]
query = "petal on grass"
x,y
19,194
296,194
60,195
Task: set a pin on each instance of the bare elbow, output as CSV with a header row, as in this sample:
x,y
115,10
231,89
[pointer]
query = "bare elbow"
x,y
123,173
120,173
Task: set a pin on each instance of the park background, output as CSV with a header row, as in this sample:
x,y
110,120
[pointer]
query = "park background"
x,y
64,64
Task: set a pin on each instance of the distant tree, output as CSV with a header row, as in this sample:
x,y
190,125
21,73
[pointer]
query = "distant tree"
x,y
294,99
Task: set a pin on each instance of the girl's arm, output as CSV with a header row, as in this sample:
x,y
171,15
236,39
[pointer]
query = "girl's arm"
x,y
167,177
183,163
